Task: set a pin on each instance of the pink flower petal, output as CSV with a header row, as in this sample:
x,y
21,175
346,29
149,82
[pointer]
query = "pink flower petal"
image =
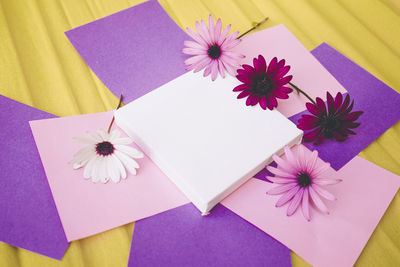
x,y
323,192
194,59
214,70
192,44
193,51
312,160
324,181
202,64
280,180
234,55
196,37
301,157
317,201
221,69
320,169
281,173
229,69
203,31
223,35
230,44
207,71
305,205
211,27
281,189
217,30
294,204
283,165
229,61
290,158
287,196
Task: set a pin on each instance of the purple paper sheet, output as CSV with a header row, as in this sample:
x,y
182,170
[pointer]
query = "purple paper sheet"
x,y
180,237
133,51
28,215
380,103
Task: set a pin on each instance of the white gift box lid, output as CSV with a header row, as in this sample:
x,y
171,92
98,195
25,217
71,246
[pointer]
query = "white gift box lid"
x,y
203,138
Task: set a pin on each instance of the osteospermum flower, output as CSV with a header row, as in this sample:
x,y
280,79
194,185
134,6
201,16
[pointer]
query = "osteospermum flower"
x,y
106,156
300,177
263,84
334,121
212,49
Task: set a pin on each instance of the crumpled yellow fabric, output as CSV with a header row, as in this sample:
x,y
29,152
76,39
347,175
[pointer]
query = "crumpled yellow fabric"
x,y
39,67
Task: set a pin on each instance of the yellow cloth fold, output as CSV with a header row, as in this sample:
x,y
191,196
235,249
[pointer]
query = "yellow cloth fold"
x,y
39,67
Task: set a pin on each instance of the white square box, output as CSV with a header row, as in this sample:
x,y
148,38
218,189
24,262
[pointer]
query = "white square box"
x,y
203,138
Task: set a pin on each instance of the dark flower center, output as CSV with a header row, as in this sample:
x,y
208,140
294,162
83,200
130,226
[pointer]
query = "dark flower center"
x,y
214,51
104,148
303,179
330,124
263,85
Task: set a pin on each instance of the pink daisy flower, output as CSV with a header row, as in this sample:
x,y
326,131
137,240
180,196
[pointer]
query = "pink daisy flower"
x,y
212,49
300,178
264,83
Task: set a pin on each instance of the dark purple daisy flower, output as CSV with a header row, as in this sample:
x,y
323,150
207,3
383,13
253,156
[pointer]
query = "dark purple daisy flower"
x,y
334,121
264,84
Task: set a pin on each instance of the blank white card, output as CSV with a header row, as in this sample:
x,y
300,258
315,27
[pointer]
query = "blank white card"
x,y
203,138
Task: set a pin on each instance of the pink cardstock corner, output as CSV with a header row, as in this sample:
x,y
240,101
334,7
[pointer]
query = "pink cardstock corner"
x,y
86,208
333,240
308,73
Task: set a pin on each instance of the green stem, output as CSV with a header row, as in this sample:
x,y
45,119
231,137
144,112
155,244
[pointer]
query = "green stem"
x,y
302,92
253,28
112,121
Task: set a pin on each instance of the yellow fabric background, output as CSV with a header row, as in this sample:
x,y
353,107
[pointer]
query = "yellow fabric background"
x,y
39,67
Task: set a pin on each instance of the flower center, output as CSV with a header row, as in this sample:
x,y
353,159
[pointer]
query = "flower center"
x,y
329,124
263,85
303,179
214,51
104,148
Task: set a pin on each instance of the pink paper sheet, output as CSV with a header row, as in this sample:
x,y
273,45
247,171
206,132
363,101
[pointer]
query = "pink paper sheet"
x,y
86,208
327,240
308,73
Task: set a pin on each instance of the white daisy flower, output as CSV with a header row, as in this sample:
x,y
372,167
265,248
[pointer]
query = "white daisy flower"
x,y
106,157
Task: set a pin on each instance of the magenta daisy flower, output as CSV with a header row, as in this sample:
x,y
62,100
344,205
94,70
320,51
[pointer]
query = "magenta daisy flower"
x,y
264,84
300,178
212,49
335,121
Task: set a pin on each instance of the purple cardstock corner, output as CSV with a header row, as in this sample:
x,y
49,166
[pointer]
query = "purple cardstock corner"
x,y
379,102
132,51
28,215
180,237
